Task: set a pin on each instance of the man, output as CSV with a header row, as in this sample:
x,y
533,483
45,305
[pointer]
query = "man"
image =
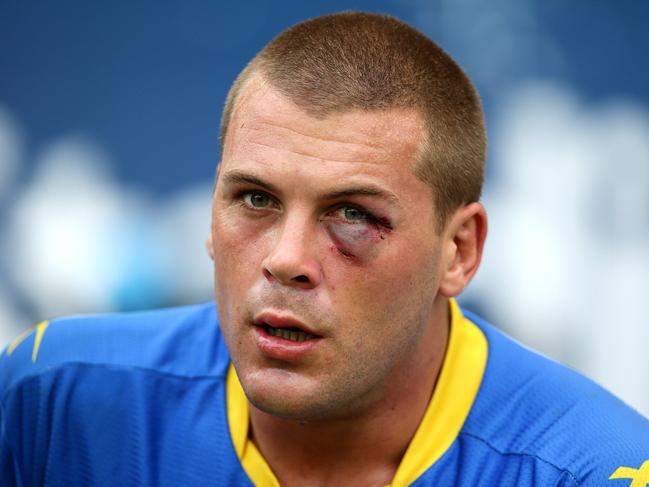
x,y
345,220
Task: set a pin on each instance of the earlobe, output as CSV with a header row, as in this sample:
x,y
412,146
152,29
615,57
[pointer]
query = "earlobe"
x,y
210,246
465,236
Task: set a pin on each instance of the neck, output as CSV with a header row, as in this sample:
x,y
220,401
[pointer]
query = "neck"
x,y
328,452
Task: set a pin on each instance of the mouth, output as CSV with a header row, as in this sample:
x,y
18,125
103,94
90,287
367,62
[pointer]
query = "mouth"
x,y
285,338
292,334
284,327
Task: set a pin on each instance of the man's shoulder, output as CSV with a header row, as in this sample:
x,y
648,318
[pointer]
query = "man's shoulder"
x,y
183,341
118,399
530,406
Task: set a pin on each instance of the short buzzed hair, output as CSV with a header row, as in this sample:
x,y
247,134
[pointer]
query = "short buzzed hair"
x,y
353,60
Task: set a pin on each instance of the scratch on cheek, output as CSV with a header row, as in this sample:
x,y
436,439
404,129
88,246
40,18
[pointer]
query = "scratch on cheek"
x,y
342,251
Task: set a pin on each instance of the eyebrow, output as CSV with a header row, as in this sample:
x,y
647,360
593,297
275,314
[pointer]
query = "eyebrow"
x,y
240,177
363,191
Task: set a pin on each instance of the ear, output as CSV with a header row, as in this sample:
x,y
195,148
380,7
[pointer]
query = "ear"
x,y
464,238
217,172
210,246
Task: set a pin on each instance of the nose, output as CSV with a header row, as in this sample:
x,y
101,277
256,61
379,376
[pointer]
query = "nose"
x,y
291,261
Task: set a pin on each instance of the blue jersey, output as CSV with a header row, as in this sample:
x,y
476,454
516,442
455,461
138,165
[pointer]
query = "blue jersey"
x,y
143,399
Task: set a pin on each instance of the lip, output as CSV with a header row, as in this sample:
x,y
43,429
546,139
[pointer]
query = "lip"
x,y
279,348
277,320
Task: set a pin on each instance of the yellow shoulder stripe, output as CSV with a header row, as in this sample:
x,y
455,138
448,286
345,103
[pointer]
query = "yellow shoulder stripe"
x,y
40,330
19,339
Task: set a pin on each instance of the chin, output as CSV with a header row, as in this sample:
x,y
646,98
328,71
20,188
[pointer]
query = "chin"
x,y
289,396
279,407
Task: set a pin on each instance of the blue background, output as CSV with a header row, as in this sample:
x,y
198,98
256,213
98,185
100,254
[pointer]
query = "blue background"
x,y
148,79
142,84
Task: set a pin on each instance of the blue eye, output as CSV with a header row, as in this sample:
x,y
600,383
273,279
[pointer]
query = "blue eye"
x,y
354,214
257,200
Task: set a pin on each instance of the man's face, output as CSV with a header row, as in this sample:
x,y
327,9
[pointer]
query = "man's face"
x,y
326,254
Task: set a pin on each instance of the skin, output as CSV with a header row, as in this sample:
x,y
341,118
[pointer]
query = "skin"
x,y
325,221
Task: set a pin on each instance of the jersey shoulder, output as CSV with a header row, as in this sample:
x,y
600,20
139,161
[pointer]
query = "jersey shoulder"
x,y
181,341
532,406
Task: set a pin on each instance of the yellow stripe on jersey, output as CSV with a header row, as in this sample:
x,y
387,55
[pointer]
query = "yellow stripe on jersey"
x,y
639,476
40,329
19,339
239,421
455,392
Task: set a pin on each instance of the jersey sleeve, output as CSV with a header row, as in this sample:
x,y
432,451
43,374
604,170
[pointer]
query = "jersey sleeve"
x,y
8,467
17,361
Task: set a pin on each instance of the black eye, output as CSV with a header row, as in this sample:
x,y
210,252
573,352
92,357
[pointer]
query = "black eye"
x,y
257,200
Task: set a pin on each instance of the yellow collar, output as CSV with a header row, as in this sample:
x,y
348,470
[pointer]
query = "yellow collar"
x,y
456,389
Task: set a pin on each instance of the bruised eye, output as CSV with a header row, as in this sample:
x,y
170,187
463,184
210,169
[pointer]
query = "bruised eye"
x,y
353,214
257,200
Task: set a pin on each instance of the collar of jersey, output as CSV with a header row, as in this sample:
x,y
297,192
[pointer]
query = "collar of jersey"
x,y
456,389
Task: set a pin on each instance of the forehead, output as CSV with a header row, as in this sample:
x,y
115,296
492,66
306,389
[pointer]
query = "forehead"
x,y
266,122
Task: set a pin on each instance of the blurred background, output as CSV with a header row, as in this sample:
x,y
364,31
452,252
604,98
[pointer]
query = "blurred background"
x,y
109,118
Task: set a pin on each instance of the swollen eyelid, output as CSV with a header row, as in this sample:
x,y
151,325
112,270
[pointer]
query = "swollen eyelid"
x,y
359,240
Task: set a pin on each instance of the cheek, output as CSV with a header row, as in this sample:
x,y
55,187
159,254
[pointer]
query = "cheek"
x,y
238,248
356,240
398,279
232,237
